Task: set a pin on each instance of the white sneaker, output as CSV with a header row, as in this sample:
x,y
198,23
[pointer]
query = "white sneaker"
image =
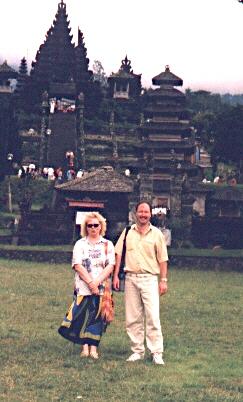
x,y
157,359
134,357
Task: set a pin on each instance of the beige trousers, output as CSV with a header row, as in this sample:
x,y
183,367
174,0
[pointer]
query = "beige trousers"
x,y
142,312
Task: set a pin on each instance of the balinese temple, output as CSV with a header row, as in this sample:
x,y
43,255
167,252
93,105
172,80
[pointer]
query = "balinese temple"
x,y
150,144
127,143
144,135
153,141
167,136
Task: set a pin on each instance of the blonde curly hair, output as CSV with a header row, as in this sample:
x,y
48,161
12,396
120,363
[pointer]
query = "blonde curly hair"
x,y
91,215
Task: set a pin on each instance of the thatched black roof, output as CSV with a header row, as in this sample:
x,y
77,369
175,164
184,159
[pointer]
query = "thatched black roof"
x,y
103,180
167,78
166,91
7,71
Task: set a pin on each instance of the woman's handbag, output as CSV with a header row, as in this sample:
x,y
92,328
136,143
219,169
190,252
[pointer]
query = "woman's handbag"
x,y
121,274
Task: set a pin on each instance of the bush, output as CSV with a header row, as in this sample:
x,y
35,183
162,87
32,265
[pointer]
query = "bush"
x,y
181,232
39,190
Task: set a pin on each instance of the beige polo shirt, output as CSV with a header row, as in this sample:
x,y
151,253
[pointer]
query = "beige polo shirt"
x,y
144,252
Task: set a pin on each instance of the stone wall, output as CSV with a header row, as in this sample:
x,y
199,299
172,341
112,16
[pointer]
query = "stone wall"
x,y
208,263
215,263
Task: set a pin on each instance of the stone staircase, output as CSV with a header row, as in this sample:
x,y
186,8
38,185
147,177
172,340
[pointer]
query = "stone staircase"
x,y
63,137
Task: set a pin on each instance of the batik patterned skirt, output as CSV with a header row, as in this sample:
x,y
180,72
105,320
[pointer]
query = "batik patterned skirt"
x,y
83,323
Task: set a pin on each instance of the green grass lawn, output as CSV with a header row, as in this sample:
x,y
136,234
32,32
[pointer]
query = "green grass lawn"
x,y
202,325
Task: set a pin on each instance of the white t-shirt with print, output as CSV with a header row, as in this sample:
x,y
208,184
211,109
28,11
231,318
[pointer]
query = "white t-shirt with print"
x,y
94,258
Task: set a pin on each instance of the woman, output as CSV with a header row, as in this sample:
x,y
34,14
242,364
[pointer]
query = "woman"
x,y
93,261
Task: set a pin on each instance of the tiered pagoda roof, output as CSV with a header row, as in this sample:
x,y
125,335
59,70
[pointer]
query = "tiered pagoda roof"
x,y
166,126
167,78
58,61
55,59
82,61
7,72
167,91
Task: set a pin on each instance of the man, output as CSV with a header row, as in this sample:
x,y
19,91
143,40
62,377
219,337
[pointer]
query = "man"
x,y
161,224
145,262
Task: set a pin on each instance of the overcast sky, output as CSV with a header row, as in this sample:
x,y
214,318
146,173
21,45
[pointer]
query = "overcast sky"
x,y
201,40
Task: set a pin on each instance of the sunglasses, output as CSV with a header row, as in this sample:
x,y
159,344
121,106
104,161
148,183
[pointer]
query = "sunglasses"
x,y
93,225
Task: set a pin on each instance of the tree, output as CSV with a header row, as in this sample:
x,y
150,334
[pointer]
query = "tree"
x,y
203,122
228,135
203,101
204,107
99,74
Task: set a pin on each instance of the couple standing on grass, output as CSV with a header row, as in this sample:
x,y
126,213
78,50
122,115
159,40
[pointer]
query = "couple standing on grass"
x,y
146,279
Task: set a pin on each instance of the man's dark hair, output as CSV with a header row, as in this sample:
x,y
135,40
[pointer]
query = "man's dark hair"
x,y
144,202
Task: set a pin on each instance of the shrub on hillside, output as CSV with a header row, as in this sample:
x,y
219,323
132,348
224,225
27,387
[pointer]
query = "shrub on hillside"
x,y
39,190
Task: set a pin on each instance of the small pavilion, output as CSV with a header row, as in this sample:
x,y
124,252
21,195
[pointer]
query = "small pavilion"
x,y
103,190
